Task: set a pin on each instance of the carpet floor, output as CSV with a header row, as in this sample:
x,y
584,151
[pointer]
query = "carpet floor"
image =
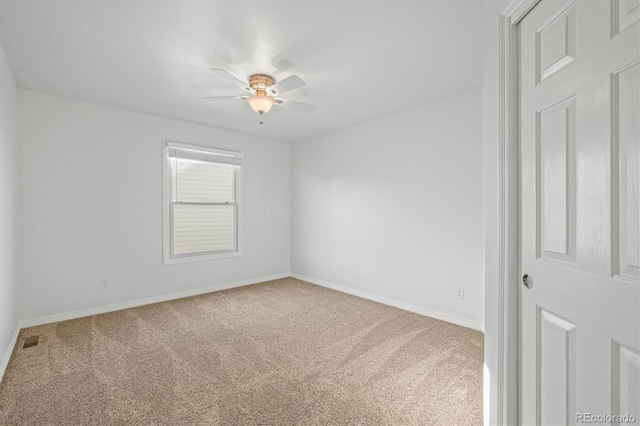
x,y
283,352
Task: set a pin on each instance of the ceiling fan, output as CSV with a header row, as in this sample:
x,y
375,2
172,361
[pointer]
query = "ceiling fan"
x,y
264,91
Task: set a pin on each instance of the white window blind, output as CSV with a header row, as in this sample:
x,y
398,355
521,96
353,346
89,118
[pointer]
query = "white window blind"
x,y
203,202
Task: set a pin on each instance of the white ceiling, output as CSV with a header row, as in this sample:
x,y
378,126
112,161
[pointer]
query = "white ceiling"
x,y
360,59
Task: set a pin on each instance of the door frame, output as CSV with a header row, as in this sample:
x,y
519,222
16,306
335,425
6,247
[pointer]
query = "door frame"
x,y
508,217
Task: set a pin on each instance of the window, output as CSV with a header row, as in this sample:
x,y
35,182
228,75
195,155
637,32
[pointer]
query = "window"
x,y
201,211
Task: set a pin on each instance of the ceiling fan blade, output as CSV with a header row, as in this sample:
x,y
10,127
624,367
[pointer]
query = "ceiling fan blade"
x,y
290,83
299,106
225,85
222,98
230,77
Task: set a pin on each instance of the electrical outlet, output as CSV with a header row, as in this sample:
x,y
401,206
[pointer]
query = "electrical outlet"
x,y
460,295
104,284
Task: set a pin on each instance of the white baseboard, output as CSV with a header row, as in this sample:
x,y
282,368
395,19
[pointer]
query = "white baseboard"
x,y
402,305
9,351
140,302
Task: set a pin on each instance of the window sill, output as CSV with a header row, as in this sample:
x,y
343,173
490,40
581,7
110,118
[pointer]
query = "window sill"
x,y
196,258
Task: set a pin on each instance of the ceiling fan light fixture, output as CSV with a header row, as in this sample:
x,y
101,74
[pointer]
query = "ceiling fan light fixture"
x,y
261,102
264,88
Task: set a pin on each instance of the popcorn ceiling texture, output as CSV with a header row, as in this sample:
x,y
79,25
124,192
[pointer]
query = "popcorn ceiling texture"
x,y
283,352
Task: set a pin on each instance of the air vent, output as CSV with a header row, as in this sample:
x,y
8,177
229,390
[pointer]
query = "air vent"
x,y
31,341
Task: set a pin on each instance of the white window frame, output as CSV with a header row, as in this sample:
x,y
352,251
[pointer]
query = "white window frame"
x,y
167,204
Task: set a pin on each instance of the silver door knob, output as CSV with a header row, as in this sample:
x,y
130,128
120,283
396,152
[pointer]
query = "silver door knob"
x,y
527,281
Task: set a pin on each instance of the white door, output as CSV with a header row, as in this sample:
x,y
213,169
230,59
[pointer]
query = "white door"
x,y
579,212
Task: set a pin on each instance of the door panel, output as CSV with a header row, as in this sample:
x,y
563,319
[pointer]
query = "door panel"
x,y
556,186
624,13
626,146
626,380
556,378
579,210
556,42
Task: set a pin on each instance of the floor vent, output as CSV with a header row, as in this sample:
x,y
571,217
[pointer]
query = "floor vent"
x,y
31,341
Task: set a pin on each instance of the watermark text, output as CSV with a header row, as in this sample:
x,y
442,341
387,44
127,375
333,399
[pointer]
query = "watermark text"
x,y
605,418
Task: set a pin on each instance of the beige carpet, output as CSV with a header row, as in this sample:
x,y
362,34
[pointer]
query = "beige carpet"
x,y
283,352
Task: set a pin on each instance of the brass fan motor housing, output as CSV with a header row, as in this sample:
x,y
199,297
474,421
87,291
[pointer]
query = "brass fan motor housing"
x,y
261,82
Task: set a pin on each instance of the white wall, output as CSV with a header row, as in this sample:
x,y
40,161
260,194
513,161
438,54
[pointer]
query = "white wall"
x,y
92,195
393,208
10,225
490,159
